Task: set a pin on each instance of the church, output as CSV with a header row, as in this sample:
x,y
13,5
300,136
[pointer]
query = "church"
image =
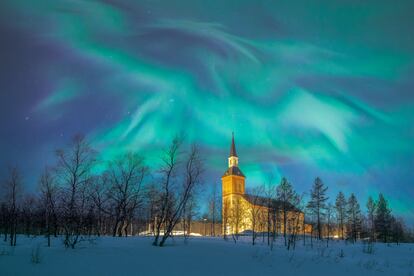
x,y
243,212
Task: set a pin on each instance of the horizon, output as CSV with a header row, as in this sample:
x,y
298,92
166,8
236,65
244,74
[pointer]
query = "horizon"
x,y
310,90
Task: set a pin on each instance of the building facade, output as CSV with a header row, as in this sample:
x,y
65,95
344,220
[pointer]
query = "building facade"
x,y
243,213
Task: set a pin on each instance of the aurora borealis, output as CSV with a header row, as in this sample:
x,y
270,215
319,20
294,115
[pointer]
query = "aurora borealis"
x,y
310,88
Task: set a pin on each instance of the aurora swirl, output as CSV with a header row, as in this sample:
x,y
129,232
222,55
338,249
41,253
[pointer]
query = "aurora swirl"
x,y
310,88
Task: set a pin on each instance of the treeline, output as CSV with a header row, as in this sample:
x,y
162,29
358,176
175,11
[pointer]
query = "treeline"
x,y
76,202
344,219
278,210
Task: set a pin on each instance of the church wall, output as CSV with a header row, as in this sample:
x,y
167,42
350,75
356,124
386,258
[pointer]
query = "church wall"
x,y
232,184
241,216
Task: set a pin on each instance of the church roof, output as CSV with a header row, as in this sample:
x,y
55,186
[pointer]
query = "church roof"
x,y
233,171
233,146
266,202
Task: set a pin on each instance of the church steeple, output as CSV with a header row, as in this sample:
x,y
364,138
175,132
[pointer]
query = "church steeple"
x,y
233,178
233,159
233,147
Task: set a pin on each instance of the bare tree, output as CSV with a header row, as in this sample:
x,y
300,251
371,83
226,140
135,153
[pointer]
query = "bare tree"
x,y
286,195
213,207
28,213
179,177
271,211
193,168
13,191
256,210
99,194
237,212
126,176
4,216
225,215
153,204
296,219
371,208
168,172
189,212
329,216
73,173
48,196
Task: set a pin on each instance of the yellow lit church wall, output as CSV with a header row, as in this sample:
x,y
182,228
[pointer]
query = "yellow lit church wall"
x,y
239,214
233,184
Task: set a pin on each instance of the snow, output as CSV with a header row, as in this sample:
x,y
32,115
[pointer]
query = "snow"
x,y
201,256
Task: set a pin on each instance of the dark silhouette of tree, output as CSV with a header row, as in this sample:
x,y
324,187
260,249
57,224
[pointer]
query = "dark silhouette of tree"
x,y
340,207
74,175
167,172
354,217
152,203
13,192
48,197
397,229
193,168
213,208
237,213
295,220
269,193
287,196
255,211
226,217
126,176
329,216
99,193
317,203
189,212
73,202
4,218
371,208
382,219
272,211
179,177
28,214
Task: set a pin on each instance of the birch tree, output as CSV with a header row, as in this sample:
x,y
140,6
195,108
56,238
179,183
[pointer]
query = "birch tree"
x,y
48,197
74,175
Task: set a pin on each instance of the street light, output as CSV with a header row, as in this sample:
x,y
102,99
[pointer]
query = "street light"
x,y
205,222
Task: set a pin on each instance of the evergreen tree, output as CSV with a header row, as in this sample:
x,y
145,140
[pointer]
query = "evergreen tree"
x,y
382,219
317,203
340,206
287,196
397,229
354,217
371,206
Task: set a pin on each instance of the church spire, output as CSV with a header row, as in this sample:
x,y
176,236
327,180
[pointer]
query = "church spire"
x,y
233,147
233,159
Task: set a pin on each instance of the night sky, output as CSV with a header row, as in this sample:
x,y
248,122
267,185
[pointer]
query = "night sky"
x,y
310,88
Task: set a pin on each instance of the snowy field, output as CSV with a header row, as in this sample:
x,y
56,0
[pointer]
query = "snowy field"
x,y
200,256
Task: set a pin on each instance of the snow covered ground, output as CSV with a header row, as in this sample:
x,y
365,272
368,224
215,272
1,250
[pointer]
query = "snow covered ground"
x,y
201,256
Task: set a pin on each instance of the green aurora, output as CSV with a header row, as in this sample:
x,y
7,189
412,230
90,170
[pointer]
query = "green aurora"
x,y
310,88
